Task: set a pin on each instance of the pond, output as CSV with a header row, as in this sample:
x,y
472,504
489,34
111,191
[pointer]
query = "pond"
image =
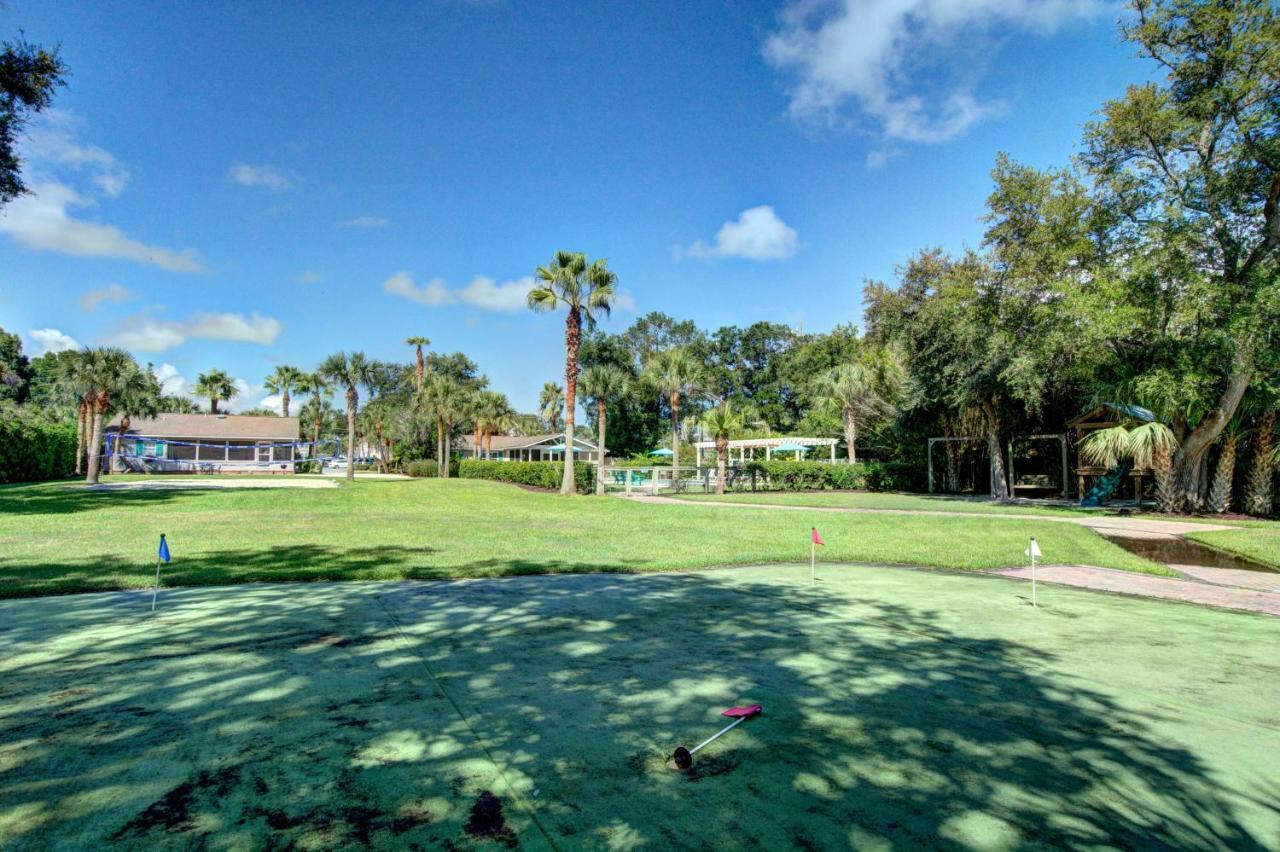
x,y
1183,551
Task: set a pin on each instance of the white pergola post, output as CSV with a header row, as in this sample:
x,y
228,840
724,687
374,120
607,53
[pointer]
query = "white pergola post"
x,y
768,453
833,453
698,454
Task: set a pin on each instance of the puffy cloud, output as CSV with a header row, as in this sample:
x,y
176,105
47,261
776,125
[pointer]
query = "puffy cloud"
x,y
365,222
42,221
52,141
263,175
110,293
482,292
147,334
51,340
757,234
171,380
907,65
275,402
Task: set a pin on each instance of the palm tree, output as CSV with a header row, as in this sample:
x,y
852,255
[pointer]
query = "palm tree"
x,y
603,383
582,289
417,342
860,391
678,375
445,398
551,404
1219,499
105,372
722,421
348,371
283,380
137,396
316,385
75,384
1258,499
493,413
1149,445
216,385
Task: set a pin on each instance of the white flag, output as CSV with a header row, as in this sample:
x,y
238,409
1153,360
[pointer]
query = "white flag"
x,y
1034,551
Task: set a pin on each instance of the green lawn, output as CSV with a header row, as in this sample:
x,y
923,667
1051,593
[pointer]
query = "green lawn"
x,y
903,709
885,500
57,538
1257,541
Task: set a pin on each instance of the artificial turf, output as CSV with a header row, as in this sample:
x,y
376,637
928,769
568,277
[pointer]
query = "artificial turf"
x,y
903,709
59,538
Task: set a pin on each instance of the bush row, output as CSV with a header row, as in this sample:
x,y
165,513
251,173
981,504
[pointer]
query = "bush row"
x,y
32,450
537,474
818,476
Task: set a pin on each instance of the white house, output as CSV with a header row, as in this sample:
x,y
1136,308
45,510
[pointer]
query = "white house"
x,y
527,448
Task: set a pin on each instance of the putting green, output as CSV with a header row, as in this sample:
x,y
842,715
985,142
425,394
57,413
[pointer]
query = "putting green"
x,y
902,708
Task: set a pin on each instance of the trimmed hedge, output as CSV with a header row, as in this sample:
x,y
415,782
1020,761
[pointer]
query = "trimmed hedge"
x,y
822,476
32,450
427,468
537,474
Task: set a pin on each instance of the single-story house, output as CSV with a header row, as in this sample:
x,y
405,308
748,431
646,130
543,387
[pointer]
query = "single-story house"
x,y
204,443
527,448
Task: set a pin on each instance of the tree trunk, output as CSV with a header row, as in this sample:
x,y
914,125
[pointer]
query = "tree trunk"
x,y
675,430
448,447
572,340
82,415
722,452
442,463
284,402
422,368
1257,500
352,402
213,405
999,479
1186,462
95,461
1220,494
1170,497
850,435
600,414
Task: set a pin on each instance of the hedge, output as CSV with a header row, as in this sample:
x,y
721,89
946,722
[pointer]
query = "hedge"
x,y
537,474
427,468
32,450
819,476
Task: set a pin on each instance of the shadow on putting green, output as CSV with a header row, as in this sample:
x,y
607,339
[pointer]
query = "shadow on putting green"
x,y
542,711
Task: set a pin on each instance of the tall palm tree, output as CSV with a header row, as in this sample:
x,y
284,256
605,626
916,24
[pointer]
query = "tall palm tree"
x,y
603,383
446,399
1258,491
318,387
1149,445
859,391
551,404
492,414
216,385
582,289
105,372
417,342
678,375
722,422
137,396
283,380
349,372
75,385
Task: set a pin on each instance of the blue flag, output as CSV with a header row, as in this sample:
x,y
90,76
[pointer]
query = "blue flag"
x,y
164,549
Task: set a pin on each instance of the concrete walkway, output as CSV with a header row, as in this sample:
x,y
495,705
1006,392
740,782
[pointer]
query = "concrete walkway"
x,y
1107,525
1165,588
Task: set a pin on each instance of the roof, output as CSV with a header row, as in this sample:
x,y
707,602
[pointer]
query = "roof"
x,y
773,443
1132,412
218,426
521,442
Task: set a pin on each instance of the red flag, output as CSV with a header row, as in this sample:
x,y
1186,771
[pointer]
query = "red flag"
x,y
815,538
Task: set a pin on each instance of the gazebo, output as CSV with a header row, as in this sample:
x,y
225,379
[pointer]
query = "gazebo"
x,y
769,445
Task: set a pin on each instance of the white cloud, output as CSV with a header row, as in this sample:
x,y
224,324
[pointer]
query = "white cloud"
x,y
171,380
625,301
110,293
275,402
262,175
52,141
40,221
910,66
881,156
757,234
145,334
482,292
51,340
365,222
309,276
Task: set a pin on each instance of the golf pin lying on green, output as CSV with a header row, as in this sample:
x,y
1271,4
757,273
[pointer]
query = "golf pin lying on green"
x,y
683,757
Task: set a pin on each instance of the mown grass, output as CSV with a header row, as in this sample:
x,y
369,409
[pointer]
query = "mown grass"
x,y
886,500
59,538
1258,541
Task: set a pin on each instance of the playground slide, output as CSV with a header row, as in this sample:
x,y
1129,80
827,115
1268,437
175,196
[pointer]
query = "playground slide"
x,y
1106,485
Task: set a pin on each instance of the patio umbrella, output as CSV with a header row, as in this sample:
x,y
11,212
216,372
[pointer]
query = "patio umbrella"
x,y
661,452
798,449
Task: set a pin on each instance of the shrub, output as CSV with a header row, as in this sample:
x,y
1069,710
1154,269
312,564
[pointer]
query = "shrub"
x,y
32,450
894,476
421,467
537,474
804,475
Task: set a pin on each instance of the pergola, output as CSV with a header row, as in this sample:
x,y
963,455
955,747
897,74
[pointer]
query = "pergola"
x,y
766,444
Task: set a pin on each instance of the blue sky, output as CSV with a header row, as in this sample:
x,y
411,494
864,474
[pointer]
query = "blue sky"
x,y
239,185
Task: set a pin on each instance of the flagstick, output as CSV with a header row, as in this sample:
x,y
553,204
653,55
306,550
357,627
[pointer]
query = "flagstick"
x,y
813,563
1033,573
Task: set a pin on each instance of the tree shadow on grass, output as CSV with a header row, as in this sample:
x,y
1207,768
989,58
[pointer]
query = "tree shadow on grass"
x,y
334,715
71,497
